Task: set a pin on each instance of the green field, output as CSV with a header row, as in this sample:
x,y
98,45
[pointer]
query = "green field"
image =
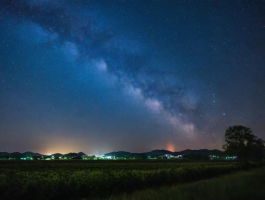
x,y
238,186
98,179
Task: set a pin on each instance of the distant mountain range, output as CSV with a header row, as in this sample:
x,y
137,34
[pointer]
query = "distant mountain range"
x,y
154,153
32,154
18,154
157,152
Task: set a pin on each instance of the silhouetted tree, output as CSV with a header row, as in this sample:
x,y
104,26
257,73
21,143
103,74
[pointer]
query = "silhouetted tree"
x,y
240,141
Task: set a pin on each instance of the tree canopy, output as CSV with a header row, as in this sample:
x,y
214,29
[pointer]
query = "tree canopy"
x,y
240,141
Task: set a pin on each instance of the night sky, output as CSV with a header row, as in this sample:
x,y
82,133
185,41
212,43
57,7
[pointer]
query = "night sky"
x,y
101,76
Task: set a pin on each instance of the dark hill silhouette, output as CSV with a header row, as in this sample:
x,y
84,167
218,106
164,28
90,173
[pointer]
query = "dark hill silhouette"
x,y
119,154
72,155
3,154
57,155
162,152
30,154
158,152
200,151
124,154
17,155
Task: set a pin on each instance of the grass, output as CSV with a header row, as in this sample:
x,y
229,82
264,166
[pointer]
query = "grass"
x,y
237,186
90,179
101,164
71,179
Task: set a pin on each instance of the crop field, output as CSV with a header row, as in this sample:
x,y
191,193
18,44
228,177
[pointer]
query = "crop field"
x,y
98,179
242,185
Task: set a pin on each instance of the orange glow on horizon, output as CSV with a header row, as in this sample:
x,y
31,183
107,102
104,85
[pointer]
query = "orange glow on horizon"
x,y
170,147
65,145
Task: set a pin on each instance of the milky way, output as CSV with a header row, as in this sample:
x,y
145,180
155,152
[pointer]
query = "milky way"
x,y
98,76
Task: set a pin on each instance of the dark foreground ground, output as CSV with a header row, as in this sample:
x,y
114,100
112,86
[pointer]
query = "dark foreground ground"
x,y
110,179
247,185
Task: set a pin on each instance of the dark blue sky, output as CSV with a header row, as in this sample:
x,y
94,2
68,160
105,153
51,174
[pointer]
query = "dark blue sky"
x,y
99,76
